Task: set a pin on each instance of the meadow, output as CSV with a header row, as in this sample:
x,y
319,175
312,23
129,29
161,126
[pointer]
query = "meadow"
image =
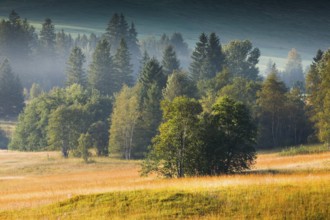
x,y
43,185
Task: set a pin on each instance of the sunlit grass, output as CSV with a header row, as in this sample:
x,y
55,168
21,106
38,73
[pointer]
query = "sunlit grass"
x,y
303,149
277,187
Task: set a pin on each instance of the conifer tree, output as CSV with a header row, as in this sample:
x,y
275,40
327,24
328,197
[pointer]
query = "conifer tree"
x,y
123,67
11,91
47,36
134,48
101,73
170,61
215,56
199,64
75,71
152,72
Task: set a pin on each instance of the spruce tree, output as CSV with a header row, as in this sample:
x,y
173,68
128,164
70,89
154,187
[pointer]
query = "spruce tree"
x,y
123,67
101,73
170,61
116,30
199,58
152,72
215,55
47,36
134,48
11,91
74,70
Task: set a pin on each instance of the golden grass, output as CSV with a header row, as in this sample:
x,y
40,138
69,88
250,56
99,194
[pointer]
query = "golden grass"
x,y
29,180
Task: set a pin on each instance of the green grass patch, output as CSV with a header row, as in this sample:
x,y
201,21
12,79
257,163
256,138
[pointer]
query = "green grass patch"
x,y
275,201
304,149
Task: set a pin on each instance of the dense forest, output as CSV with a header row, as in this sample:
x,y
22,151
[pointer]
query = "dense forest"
x,y
199,111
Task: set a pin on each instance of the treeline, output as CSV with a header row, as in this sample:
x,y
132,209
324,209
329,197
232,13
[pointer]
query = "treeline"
x,y
206,120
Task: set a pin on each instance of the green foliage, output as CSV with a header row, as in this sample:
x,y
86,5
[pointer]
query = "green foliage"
x,y
101,71
281,114
271,102
215,55
11,92
207,58
74,70
18,38
243,90
152,72
47,37
304,149
176,151
100,137
318,84
242,58
65,126
198,67
123,122
3,140
230,136
170,61
84,142
56,119
123,67
179,84
35,91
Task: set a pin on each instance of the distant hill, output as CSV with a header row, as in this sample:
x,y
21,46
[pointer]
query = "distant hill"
x,y
275,26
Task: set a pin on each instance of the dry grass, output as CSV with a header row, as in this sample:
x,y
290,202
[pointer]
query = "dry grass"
x,y
30,180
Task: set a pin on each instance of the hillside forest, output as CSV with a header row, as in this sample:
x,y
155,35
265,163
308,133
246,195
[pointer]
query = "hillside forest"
x,y
184,111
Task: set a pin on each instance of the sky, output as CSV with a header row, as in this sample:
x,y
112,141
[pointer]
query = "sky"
x,y
274,26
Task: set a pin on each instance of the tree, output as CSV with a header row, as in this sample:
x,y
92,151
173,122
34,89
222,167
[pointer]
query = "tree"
x,y
134,48
101,72
66,124
99,132
243,90
35,91
84,142
123,67
271,102
176,150
179,84
11,92
151,73
117,29
298,127
198,67
293,72
230,136
179,45
47,37
74,70
215,56
123,122
318,86
170,61
63,44
18,38
3,140
242,58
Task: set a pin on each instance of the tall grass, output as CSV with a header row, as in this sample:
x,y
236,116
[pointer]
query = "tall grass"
x,y
304,149
42,185
274,201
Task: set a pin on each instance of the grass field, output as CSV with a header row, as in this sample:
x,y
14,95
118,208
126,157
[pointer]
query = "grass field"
x,y
44,186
